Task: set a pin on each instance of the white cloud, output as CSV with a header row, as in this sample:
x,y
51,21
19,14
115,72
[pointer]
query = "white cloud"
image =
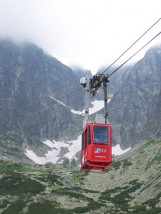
x,y
90,33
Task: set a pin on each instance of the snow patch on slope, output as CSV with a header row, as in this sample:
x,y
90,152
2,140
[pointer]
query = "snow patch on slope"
x,y
97,105
32,156
58,101
72,147
116,150
53,155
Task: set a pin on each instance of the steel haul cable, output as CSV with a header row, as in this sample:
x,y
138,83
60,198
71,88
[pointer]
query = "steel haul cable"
x,y
132,45
69,96
134,54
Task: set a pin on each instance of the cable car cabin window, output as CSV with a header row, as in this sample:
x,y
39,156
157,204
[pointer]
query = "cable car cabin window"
x,y
101,134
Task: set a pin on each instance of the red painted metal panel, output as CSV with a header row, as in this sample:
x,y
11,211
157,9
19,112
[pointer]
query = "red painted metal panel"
x,y
97,154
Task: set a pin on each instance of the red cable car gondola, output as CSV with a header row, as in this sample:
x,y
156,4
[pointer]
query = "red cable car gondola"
x,y
96,146
96,136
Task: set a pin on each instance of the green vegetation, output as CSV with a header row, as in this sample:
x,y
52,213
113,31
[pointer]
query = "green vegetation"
x,y
139,208
8,167
52,207
106,195
51,189
79,177
69,192
89,191
126,163
3,204
10,142
156,159
148,143
16,184
92,205
16,207
54,179
153,201
42,208
120,196
142,210
116,165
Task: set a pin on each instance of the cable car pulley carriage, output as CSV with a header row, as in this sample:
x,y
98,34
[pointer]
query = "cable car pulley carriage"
x,y
96,136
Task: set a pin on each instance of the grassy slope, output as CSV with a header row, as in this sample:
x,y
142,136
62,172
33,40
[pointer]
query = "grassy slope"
x,y
132,185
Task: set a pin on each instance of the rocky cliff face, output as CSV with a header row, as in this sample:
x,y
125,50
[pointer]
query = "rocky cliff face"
x,y
136,100
30,84
33,85
153,126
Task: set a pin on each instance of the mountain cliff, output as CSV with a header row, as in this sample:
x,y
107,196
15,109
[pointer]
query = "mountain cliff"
x,y
135,102
36,99
153,127
34,105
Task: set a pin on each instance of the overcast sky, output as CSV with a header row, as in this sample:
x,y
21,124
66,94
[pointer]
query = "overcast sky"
x,y
87,33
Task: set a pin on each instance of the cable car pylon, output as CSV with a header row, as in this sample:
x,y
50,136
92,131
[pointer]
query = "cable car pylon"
x,y
96,136
87,86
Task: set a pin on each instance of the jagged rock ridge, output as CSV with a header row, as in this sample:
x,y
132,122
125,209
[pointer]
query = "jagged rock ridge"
x,y
132,106
30,81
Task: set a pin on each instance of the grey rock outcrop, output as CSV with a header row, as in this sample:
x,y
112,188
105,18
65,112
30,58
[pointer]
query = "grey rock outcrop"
x,y
29,78
136,100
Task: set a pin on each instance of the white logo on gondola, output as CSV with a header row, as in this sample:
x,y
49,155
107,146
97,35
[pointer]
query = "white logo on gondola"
x,y
99,150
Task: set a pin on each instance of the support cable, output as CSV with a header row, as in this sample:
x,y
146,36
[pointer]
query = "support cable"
x,y
69,96
132,45
135,54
